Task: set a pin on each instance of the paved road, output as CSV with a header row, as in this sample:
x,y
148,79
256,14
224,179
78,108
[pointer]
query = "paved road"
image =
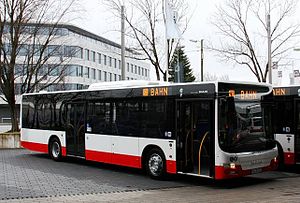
x,y
32,177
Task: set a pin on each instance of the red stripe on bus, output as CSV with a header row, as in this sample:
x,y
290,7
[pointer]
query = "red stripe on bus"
x,y
118,159
38,147
127,160
35,146
289,158
123,160
104,157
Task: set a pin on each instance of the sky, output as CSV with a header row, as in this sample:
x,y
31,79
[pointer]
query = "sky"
x,y
97,19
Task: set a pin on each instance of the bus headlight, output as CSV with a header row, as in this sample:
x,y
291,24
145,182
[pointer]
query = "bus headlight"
x,y
232,165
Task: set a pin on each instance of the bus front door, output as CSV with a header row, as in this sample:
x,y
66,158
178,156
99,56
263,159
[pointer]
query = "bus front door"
x,y
297,130
195,137
75,129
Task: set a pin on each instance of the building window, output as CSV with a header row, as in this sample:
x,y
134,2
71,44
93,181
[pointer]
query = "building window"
x,y
132,68
146,72
86,72
93,56
105,76
80,71
139,70
99,58
23,50
93,74
110,76
127,67
109,61
73,51
142,71
104,58
54,50
135,69
120,64
115,77
55,69
115,63
87,54
99,74
19,70
70,70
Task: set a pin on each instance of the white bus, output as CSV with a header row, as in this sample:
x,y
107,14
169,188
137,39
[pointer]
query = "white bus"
x,y
200,129
286,122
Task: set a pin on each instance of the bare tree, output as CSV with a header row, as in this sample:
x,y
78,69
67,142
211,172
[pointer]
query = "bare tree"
x,y
145,20
27,28
243,28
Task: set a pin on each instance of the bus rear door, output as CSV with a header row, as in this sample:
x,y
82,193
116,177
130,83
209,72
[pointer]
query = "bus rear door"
x,y
195,137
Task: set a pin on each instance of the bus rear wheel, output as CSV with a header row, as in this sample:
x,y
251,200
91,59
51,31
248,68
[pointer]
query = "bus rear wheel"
x,y
55,149
155,164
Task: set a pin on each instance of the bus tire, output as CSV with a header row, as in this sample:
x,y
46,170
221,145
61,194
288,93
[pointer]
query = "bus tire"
x,y
55,149
155,164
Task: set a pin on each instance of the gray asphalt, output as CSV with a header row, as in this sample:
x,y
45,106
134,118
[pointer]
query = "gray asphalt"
x,y
26,174
33,177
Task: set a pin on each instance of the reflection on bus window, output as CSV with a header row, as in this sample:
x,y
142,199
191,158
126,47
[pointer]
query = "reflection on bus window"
x,y
241,126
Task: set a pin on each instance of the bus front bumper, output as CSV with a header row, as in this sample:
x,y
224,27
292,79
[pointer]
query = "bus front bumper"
x,y
235,170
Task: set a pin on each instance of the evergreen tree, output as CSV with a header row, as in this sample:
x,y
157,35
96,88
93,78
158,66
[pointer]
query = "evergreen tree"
x,y
184,65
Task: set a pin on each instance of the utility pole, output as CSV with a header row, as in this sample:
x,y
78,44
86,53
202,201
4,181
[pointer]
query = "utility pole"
x,y
177,68
201,56
123,75
201,52
269,46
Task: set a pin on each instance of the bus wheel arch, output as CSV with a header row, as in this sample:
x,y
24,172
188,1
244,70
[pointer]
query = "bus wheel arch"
x,y
154,162
55,148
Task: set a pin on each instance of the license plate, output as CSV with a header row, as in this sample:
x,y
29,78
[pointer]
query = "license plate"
x,y
257,170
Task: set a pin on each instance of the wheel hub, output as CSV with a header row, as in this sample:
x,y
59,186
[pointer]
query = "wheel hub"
x,y
55,150
155,164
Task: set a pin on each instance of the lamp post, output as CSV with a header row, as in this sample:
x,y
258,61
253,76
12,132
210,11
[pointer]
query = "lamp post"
x,y
123,76
201,56
269,48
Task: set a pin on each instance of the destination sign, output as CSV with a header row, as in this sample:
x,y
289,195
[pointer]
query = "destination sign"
x,y
279,91
243,94
156,91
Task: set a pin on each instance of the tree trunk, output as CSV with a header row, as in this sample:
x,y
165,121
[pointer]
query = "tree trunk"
x,y
157,72
14,119
14,115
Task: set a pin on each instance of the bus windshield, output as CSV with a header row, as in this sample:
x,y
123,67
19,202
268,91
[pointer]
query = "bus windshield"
x,y
244,126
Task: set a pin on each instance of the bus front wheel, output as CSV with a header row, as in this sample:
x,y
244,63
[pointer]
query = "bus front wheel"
x,y
55,149
280,157
156,164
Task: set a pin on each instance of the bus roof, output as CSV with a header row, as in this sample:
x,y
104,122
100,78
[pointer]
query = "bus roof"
x,y
114,85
